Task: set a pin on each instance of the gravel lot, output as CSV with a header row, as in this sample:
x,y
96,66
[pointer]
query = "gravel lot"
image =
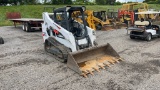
x,y
25,65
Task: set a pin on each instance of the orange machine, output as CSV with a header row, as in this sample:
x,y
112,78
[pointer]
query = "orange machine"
x,y
127,12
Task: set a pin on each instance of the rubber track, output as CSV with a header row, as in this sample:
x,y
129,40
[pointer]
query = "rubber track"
x,y
60,46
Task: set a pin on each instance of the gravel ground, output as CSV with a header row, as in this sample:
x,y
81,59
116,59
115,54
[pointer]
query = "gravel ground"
x,y
25,65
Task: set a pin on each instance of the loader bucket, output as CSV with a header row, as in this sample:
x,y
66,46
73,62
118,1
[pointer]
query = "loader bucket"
x,y
88,60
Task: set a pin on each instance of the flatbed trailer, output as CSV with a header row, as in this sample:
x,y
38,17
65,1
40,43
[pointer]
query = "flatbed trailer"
x,y
28,24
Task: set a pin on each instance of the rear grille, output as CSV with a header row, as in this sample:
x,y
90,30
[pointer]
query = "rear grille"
x,y
137,33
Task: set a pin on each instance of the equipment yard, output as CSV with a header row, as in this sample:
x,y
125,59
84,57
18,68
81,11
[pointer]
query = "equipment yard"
x,y
24,64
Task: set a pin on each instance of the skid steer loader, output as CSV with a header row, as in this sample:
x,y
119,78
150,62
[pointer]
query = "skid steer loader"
x,y
74,42
1,40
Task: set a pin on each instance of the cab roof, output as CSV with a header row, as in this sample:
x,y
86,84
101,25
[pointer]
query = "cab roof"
x,y
70,9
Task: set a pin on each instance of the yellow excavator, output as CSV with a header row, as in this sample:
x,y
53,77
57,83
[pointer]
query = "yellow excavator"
x,y
96,20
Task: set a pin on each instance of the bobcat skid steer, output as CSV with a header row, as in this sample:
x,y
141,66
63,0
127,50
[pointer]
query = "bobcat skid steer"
x,y
74,42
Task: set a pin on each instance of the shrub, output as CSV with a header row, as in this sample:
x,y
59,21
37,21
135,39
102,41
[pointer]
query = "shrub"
x,y
117,3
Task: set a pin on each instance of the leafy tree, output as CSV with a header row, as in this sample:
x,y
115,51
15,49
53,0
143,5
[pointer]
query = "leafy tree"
x,y
110,2
117,3
61,2
152,1
67,1
158,1
15,1
81,0
4,1
55,2
101,2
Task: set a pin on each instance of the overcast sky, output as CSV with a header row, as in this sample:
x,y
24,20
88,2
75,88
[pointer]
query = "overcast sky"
x,y
130,0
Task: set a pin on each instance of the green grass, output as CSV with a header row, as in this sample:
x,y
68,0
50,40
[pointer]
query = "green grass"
x,y
35,11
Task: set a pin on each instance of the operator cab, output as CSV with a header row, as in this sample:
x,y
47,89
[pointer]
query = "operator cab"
x,y
76,28
63,16
100,14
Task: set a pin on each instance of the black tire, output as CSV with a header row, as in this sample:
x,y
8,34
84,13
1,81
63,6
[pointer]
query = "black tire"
x,y
28,27
1,40
132,37
148,37
24,27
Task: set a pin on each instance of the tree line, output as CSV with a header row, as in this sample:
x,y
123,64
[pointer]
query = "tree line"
x,y
15,2
152,1
58,2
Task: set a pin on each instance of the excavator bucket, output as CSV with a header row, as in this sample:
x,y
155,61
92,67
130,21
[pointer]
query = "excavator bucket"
x,y
108,27
86,61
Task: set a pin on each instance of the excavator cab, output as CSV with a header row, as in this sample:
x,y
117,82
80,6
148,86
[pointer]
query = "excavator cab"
x,y
100,14
111,14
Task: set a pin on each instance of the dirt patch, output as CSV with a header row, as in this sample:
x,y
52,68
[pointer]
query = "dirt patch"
x,y
19,64
155,62
112,85
140,68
